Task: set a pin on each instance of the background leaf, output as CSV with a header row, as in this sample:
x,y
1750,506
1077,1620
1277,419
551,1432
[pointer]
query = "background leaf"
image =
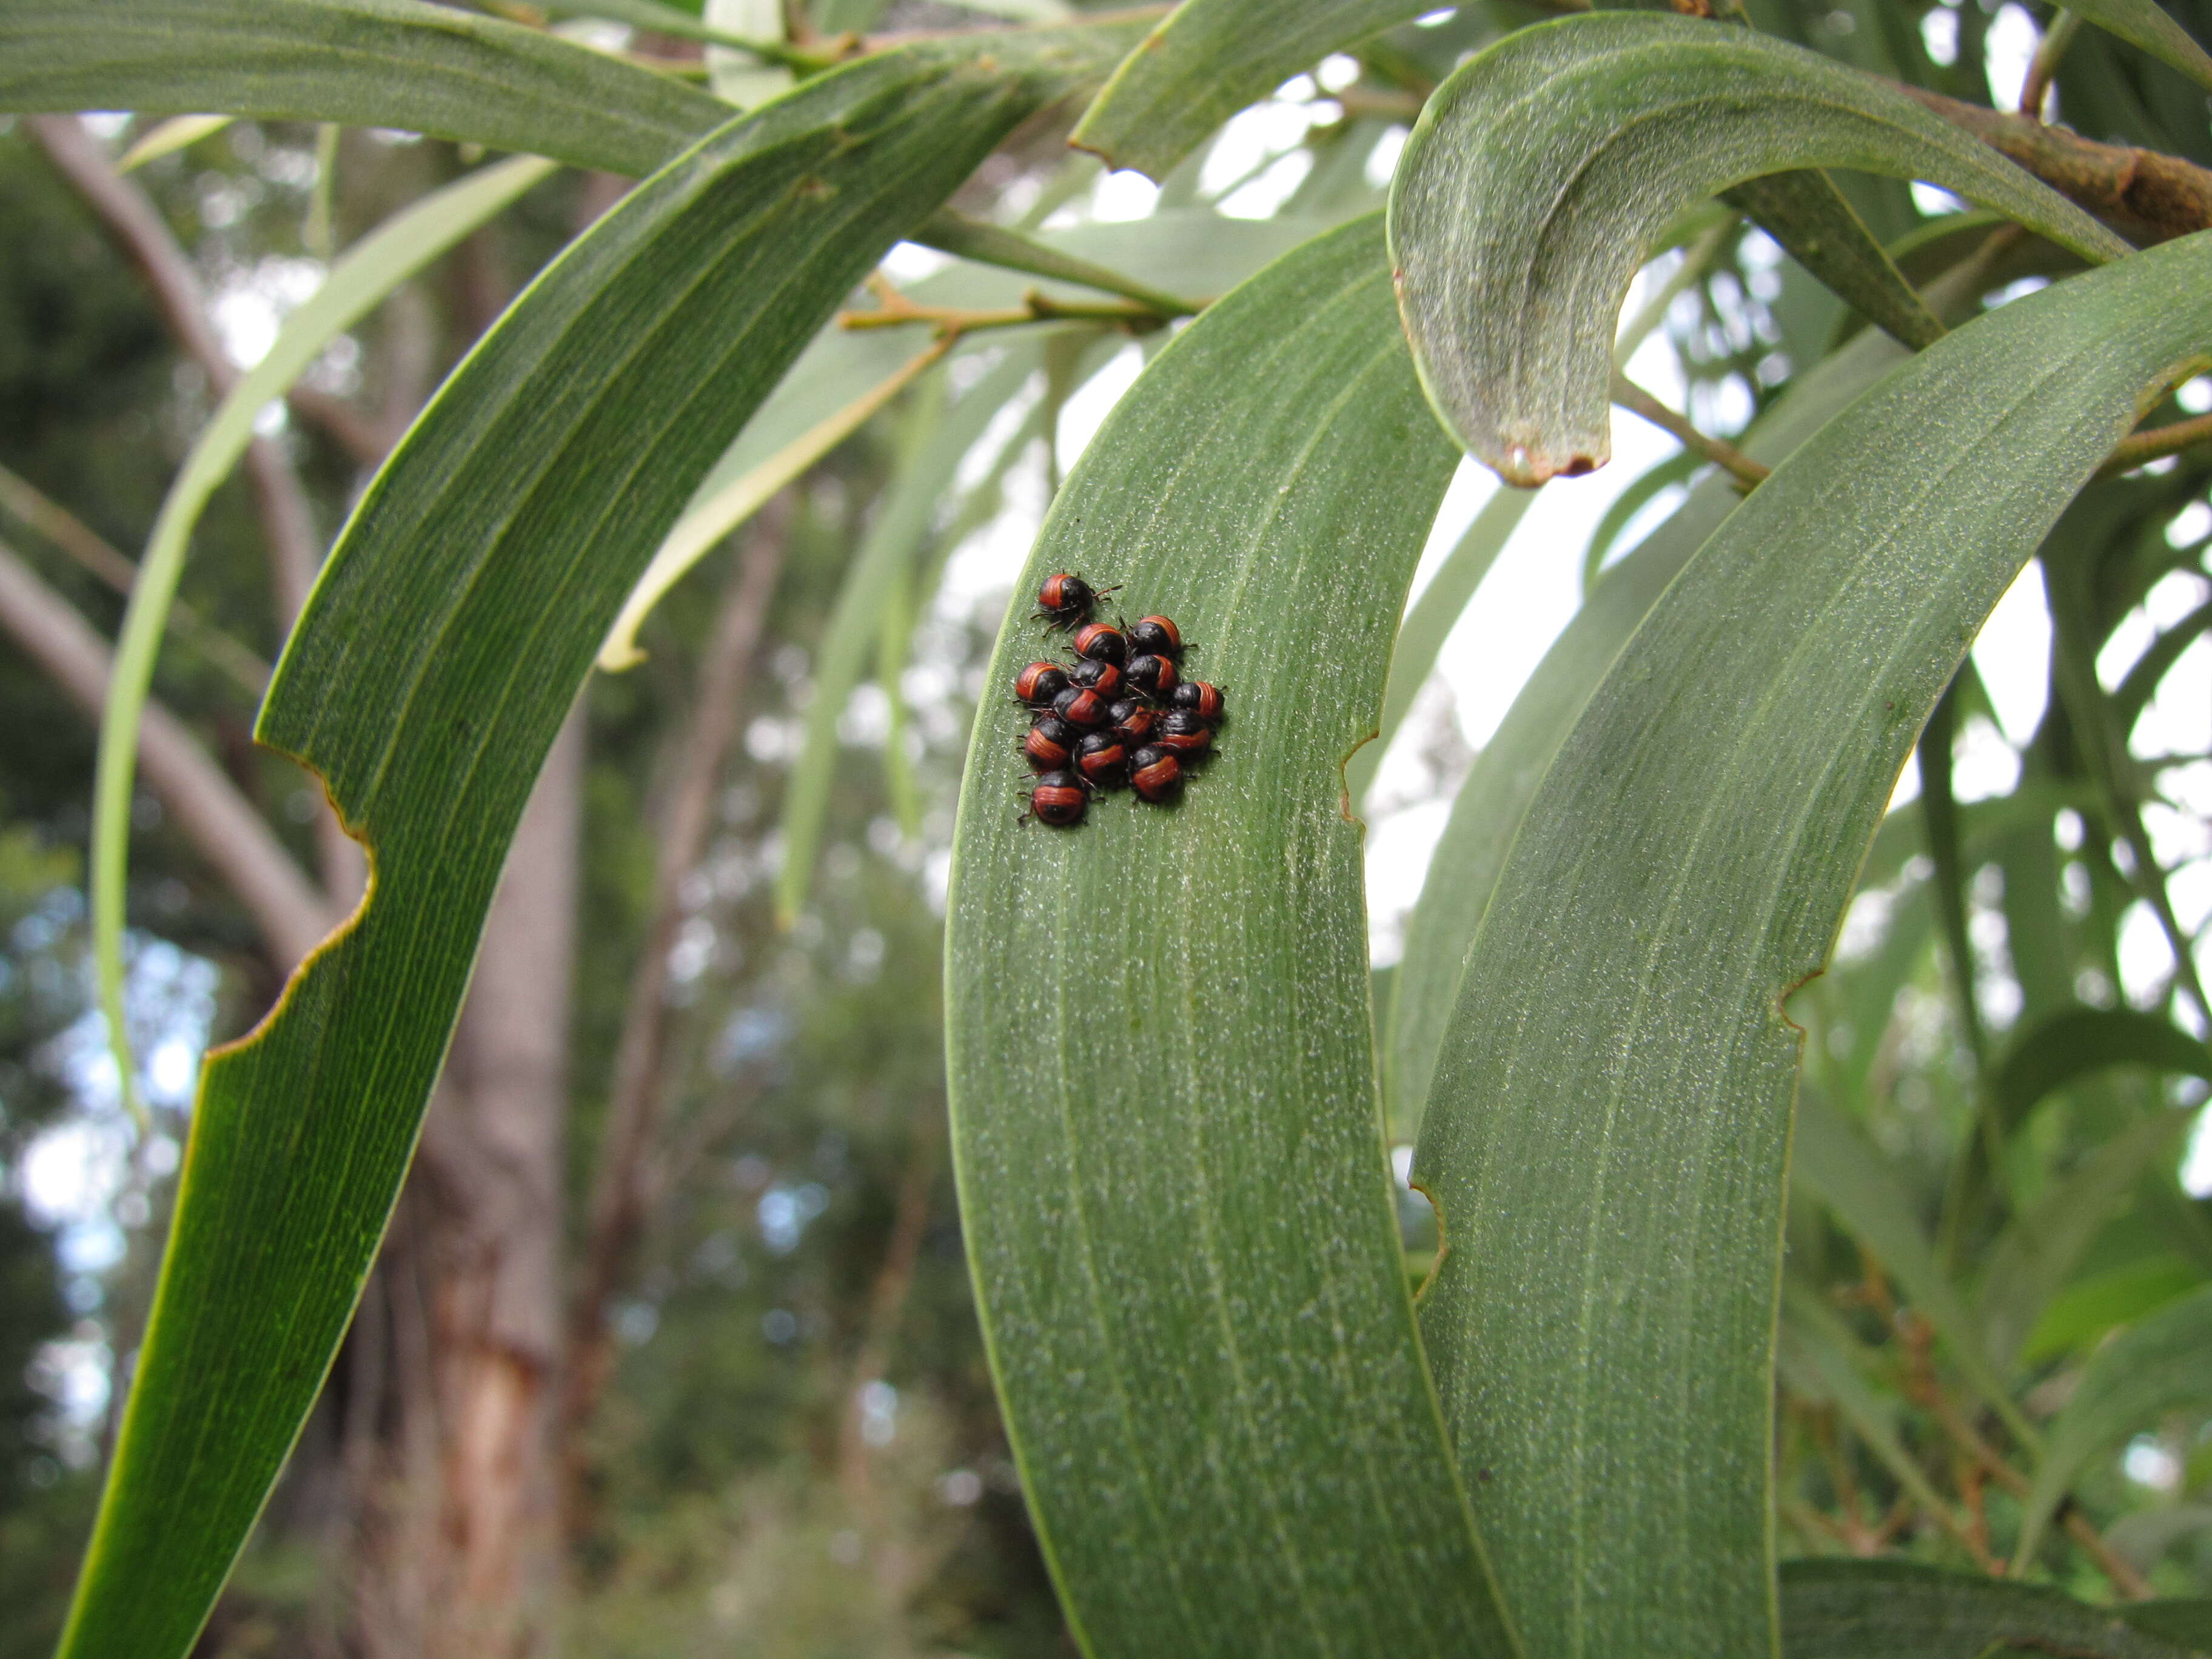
x,y
1609,1133
425,69
2151,1367
428,678
1179,1215
357,283
1541,118
1487,811
1210,58
1899,1610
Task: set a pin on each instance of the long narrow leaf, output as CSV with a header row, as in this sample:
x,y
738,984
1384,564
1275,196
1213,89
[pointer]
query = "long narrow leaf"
x,y
1209,59
1832,1161
443,645
1487,812
885,562
1608,1138
1511,309
1897,1610
2146,24
359,282
2041,1247
421,67
1178,1210
2151,1368
2074,1043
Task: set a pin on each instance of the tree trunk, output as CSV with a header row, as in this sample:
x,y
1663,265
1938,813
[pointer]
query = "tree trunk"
x,y
460,1552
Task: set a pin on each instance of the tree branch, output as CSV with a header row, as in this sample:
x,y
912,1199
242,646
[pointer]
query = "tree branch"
x,y
293,917
2152,195
129,217
618,1201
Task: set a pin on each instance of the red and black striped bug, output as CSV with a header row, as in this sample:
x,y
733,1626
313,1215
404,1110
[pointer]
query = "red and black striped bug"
x,y
1132,721
1102,644
1080,706
1100,677
1199,698
1184,734
1154,675
1103,760
1050,745
1066,600
1158,635
1040,683
1058,799
1155,773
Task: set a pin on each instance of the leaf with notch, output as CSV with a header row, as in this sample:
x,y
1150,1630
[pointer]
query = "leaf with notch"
x,y
1180,1220
1614,122
1608,1134
438,658
1487,811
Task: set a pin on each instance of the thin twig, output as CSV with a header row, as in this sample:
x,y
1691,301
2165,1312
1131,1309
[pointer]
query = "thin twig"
x,y
2159,442
2035,88
92,551
291,915
2152,195
895,310
139,232
1726,456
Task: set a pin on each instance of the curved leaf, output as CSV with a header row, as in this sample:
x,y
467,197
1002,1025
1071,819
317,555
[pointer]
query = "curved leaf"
x,y
883,564
1487,811
2161,1364
2041,1247
2146,24
1179,1215
380,262
2092,1306
1899,1610
1430,621
846,375
423,69
436,661
1208,59
1614,122
1609,1130
1831,1159
2074,1043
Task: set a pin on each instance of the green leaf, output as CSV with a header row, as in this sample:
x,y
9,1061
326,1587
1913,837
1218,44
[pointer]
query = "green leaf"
x,y
361,63
370,270
1430,623
2041,1246
1832,1161
441,650
1208,59
1608,1135
2092,1307
847,375
1487,811
886,560
1179,1215
2146,24
178,132
2163,1363
1900,1610
1807,215
1653,482
1615,123
2076,1043
1820,1360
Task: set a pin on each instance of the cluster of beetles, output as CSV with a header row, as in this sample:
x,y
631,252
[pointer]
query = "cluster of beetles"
x,y
1119,716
